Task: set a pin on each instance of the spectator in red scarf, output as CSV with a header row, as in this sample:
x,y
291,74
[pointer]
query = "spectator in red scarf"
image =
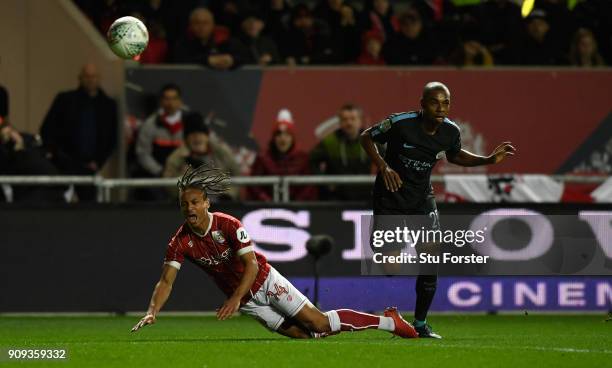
x,y
282,158
161,133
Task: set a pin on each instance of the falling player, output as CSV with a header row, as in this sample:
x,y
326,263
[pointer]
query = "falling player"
x,y
415,142
219,244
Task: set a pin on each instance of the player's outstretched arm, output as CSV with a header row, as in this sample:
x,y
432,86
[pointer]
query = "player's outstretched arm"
x,y
160,295
232,304
466,158
390,177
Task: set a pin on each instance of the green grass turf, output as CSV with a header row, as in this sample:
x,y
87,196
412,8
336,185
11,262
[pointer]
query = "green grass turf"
x,y
469,341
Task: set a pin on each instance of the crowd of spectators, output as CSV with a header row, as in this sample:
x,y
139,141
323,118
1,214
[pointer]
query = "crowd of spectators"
x,y
79,134
174,137
226,34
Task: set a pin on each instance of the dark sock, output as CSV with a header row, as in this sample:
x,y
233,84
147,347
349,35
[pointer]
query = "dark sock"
x,y
425,291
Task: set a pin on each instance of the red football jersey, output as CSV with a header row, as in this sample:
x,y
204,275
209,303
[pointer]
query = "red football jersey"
x,y
217,252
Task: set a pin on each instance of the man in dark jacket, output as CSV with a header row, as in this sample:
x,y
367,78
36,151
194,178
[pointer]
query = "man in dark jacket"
x,y
80,129
201,46
411,45
251,46
340,153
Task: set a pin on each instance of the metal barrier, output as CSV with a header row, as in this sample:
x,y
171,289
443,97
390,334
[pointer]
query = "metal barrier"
x,y
108,184
280,184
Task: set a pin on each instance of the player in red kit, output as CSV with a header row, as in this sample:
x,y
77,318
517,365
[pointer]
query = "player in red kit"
x,y
219,244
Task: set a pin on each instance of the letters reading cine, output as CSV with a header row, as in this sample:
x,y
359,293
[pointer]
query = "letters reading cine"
x,y
293,238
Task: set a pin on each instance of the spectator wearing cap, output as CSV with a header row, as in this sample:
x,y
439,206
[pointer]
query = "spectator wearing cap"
x,y
203,45
282,157
411,45
537,46
198,148
251,46
371,51
340,153
562,24
499,23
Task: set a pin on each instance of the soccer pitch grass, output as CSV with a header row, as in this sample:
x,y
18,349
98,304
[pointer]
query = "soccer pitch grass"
x,y
469,341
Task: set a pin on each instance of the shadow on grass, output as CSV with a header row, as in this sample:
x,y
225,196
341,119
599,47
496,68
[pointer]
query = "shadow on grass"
x,y
209,339
248,339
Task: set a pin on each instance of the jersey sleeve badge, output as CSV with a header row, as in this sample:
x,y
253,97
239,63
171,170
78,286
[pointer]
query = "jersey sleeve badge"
x,y
242,235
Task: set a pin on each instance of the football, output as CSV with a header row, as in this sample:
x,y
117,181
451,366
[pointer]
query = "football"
x,y
127,37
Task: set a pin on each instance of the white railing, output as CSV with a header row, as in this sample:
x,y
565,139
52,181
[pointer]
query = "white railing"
x,y
280,184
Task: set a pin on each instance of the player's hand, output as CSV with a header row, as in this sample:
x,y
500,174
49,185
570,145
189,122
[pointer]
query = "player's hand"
x,y
391,178
228,308
149,319
501,151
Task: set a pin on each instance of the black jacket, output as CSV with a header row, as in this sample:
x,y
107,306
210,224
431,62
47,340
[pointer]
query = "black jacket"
x,y
190,50
249,50
401,50
31,160
61,131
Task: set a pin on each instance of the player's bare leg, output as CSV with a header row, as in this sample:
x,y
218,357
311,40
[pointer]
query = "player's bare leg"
x,y
349,320
291,328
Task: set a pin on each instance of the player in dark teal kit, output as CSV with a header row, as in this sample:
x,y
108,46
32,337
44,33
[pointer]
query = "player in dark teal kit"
x,y
415,142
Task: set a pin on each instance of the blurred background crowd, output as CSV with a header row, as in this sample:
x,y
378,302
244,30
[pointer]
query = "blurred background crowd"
x,y
227,34
78,136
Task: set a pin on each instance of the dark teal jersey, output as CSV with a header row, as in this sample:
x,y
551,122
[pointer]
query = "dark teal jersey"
x,y
412,153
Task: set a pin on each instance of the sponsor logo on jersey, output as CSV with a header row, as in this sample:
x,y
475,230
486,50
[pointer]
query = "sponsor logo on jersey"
x,y
415,165
242,235
214,260
406,145
190,244
217,235
385,125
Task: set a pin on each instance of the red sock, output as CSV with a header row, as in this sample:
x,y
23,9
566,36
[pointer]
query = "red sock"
x,y
351,320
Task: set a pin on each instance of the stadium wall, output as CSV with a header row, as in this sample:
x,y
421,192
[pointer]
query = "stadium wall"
x,y
44,45
108,258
